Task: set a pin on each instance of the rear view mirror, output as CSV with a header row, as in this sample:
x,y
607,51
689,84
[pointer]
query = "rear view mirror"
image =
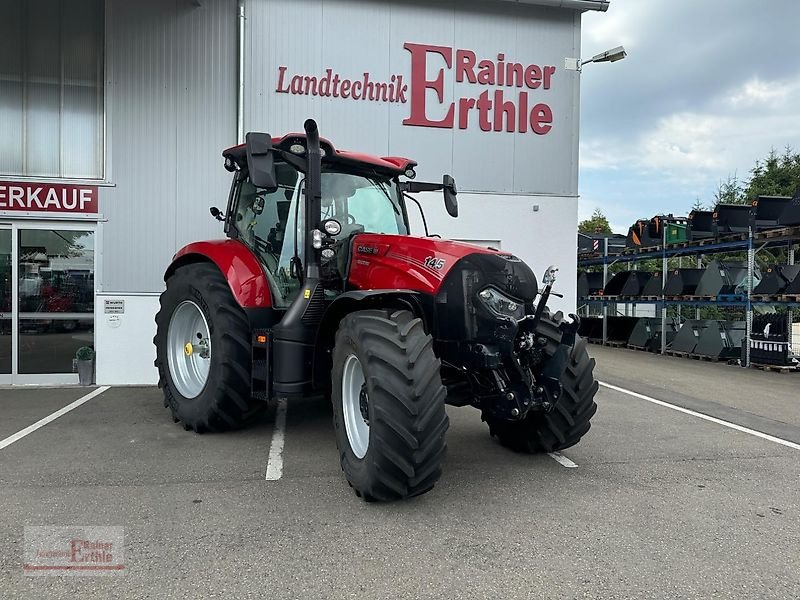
x,y
450,192
260,162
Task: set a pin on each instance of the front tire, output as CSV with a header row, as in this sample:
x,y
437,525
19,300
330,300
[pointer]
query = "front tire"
x,y
388,405
569,420
203,352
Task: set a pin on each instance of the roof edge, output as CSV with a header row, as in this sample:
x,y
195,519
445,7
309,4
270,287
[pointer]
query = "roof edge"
x,y
600,5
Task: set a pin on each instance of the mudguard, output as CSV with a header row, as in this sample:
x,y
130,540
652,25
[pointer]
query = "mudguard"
x,y
238,265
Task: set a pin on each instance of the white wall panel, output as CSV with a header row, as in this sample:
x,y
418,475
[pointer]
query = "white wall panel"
x,y
172,109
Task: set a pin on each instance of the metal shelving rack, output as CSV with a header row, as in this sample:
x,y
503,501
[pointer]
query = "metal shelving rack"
x,y
766,239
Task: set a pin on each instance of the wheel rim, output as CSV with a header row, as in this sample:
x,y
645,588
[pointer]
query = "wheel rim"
x,y
355,406
189,349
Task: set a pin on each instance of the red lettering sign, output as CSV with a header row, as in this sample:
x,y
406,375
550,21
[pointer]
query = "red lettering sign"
x,y
515,111
46,197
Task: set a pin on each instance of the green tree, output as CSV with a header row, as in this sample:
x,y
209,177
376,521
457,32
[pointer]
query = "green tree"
x,y
731,191
597,223
776,175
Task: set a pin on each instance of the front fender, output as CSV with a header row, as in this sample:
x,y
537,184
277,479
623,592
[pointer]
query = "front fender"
x,y
399,299
237,264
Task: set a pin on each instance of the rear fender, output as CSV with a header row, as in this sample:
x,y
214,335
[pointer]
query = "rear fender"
x,y
237,264
398,299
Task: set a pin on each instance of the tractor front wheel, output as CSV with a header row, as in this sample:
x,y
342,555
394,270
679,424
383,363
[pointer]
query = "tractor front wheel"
x,y
203,352
388,405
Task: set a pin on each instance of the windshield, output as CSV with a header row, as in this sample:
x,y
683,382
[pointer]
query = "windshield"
x,y
273,224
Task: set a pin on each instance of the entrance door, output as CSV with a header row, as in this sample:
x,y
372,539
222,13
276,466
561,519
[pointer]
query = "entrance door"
x,y
48,308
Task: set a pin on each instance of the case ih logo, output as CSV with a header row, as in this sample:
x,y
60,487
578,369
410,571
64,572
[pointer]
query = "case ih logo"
x,y
493,108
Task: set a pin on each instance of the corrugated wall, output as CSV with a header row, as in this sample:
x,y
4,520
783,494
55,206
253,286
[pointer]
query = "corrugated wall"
x,y
172,108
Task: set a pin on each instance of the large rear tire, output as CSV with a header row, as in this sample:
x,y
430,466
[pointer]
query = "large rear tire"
x,y
203,352
388,405
569,421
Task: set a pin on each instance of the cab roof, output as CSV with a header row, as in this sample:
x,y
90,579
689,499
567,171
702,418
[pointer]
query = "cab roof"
x,y
386,165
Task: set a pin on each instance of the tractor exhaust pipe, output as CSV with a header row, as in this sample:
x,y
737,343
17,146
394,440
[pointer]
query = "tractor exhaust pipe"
x,y
313,197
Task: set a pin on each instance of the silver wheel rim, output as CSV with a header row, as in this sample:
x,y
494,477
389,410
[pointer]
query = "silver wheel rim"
x,y
352,389
188,349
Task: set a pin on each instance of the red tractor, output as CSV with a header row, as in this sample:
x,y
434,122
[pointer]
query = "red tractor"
x,y
320,289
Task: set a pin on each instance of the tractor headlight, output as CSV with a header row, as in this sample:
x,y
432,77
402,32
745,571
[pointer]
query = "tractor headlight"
x,y
501,305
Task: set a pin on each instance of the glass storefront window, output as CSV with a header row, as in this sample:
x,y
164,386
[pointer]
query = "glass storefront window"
x,y
56,298
5,301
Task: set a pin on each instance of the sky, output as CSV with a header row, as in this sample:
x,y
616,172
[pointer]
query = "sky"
x,y
708,87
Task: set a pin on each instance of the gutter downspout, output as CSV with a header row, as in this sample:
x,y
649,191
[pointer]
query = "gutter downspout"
x,y
240,76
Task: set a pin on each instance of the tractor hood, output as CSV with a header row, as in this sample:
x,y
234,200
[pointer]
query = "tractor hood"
x,y
432,265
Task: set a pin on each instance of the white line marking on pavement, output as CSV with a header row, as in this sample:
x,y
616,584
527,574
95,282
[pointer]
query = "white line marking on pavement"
x,y
275,461
759,434
562,460
48,419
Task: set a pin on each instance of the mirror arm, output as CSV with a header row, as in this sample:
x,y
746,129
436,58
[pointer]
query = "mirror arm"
x,y
421,212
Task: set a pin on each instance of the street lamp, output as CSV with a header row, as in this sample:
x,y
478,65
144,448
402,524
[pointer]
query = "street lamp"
x,y
613,55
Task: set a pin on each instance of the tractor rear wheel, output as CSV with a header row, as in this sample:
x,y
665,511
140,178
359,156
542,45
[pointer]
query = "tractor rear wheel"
x,y
203,352
569,421
388,405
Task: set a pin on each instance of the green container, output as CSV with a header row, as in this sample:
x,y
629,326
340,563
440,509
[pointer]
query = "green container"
x,y
677,233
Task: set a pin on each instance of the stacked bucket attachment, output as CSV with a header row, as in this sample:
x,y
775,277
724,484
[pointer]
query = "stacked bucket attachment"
x,y
590,284
725,281
627,284
777,280
647,333
732,219
653,288
685,341
658,230
619,329
701,225
591,328
683,282
792,290
720,340
767,211
639,235
791,212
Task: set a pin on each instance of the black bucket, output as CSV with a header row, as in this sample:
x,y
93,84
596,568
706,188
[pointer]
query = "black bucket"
x,y
591,328
589,284
701,225
689,333
732,218
725,278
647,333
683,282
777,279
721,339
653,285
620,328
638,235
616,283
793,289
635,283
791,212
767,211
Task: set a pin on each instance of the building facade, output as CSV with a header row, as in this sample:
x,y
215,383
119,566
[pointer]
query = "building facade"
x,y
113,116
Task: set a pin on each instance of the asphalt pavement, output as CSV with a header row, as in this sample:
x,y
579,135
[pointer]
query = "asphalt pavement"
x,y
662,504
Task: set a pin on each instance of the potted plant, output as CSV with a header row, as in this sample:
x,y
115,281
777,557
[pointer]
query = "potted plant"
x,y
84,359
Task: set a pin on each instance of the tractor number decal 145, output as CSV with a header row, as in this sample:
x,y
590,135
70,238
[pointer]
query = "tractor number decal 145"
x,y
435,263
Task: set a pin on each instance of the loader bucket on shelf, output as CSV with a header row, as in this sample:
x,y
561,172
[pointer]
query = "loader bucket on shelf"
x,y
686,338
725,278
791,212
683,282
635,283
668,229
653,285
793,289
701,225
721,339
647,333
777,279
616,283
619,328
732,218
591,328
767,211
638,236
590,284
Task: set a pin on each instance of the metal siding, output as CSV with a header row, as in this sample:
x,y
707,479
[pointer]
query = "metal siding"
x,y
480,161
171,91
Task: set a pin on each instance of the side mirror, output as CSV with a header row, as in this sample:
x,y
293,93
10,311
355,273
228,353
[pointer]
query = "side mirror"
x,y
260,162
450,192
216,213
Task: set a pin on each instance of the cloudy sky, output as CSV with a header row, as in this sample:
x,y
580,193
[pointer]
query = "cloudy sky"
x,y
708,87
